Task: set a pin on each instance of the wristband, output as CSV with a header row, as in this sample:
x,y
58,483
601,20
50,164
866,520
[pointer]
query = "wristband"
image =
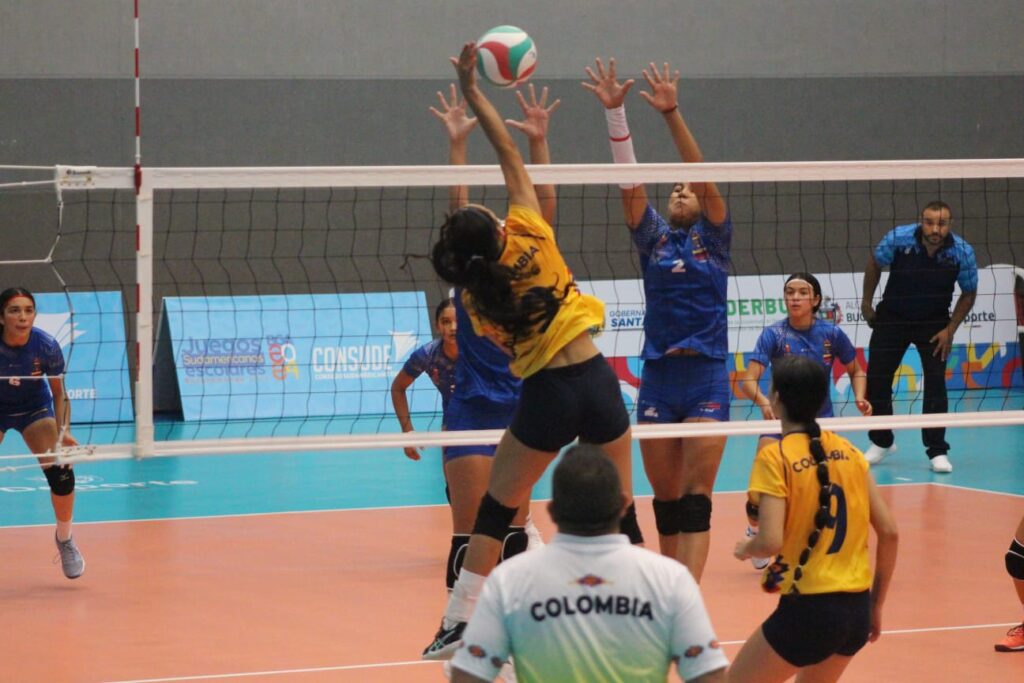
x,y
669,111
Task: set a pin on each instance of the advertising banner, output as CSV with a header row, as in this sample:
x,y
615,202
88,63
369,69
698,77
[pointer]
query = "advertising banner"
x,y
89,326
985,352
277,356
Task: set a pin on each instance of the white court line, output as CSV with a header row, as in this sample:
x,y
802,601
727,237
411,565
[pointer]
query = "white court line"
x,y
383,665
976,490
387,507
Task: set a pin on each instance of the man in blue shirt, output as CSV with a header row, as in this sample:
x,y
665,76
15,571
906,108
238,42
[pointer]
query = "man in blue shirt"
x,y
925,261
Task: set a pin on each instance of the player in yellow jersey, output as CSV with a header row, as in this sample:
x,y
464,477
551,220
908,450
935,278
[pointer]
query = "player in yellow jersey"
x,y
519,292
815,501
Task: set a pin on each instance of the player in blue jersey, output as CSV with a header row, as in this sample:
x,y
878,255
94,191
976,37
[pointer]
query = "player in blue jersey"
x,y
800,333
33,402
436,358
685,262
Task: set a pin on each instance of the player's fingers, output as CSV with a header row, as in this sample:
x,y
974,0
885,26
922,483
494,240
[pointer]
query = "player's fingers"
x,y
521,100
518,125
554,106
600,66
543,95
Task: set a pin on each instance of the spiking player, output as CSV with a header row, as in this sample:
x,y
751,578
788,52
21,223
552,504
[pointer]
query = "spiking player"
x,y
685,262
519,292
800,333
486,391
817,500
32,406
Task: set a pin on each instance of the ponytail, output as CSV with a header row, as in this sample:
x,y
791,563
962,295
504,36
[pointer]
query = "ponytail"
x,y
802,386
466,255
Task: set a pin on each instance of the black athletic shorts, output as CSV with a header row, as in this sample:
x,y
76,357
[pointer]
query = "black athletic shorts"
x,y
559,404
807,629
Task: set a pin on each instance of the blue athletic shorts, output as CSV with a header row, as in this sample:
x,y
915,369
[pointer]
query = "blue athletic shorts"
x,y
674,388
475,413
22,419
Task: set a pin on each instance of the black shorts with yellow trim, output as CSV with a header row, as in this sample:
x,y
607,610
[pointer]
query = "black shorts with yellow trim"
x,y
560,404
807,629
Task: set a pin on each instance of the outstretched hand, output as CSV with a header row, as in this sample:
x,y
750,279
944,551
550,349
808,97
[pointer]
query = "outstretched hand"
x,y
664,95
453,115
465,65
605,85
536,113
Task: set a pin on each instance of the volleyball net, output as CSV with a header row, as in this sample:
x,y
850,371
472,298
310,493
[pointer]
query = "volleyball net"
x,y
218,310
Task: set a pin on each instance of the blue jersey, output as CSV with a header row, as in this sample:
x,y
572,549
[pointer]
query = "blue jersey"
x,y
686,282
39,357
920,287
482,370
823,342
431,359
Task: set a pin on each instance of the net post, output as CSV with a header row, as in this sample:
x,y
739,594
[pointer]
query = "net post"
x,y
144,431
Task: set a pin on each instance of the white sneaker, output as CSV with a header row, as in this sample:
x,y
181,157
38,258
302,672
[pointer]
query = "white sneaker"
x,y
876,454
759,562
941,464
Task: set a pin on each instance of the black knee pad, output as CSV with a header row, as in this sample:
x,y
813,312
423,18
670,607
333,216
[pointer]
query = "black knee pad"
x,y
455,558
493,519
752,511
516,541
629,526
1015,560
61,479
666,516
694,513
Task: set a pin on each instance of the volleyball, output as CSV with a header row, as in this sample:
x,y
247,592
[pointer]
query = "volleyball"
x,y
506,56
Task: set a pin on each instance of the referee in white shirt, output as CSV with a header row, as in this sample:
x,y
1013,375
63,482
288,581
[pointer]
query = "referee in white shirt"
x,y
589,606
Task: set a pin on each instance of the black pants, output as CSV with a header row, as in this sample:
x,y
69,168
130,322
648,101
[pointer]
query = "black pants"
x,y
891,336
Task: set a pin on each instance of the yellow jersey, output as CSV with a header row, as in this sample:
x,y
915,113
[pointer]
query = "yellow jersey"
x,y
530,249
839,563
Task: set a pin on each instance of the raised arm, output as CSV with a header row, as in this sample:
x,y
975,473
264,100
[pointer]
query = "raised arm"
x,y
664,97
458,125
536,115
612,95
517,180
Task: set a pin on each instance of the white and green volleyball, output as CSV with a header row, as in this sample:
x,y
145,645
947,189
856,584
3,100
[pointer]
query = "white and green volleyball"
x,y
506,56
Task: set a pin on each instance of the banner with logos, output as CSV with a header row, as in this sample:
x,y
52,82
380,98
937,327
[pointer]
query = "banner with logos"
x,y
89,326
985,352
296,355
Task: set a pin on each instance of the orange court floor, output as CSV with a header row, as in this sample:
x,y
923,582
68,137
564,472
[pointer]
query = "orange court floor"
x,y
354,595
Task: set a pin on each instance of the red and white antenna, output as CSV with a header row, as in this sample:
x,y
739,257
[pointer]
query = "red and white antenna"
x,y
138,107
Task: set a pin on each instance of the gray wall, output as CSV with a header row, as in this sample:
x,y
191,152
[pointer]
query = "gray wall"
x,y
275,82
